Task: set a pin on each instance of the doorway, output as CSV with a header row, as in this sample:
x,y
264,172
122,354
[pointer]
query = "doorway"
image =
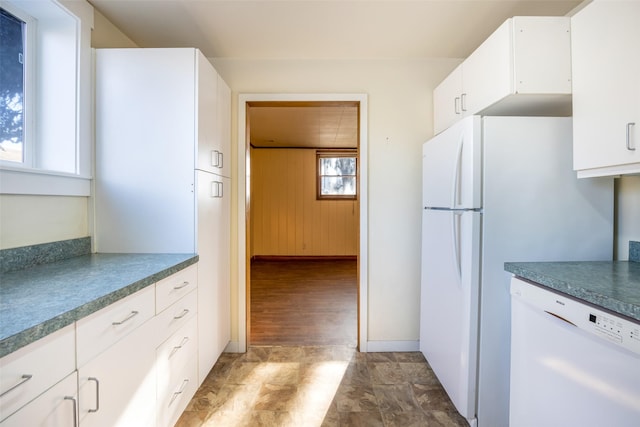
x,y
333,108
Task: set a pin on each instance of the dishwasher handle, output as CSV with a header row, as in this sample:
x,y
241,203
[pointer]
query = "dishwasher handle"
x,y
557,316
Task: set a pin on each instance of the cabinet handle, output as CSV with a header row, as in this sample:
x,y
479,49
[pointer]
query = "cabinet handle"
x,y
217,189
456,103
629,147
75,409
217,159
179,392
178,347
463,104
181,315
183,285
97,394
126,319
23,379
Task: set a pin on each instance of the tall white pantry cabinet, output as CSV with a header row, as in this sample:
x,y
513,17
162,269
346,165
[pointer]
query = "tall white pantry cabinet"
x,y
162,182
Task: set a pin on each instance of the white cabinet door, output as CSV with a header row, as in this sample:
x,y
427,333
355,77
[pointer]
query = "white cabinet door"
x,y
222,267
57,407
213,269
606,88
118,387
446,101
224,127
209,152
487,71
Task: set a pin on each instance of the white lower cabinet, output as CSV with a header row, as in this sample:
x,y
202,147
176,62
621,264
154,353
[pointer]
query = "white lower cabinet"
x,y
118,387
176,362
132,363
57,407
24,376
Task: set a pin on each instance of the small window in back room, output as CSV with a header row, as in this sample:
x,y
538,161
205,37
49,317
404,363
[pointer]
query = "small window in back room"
x,y
337,174
12,40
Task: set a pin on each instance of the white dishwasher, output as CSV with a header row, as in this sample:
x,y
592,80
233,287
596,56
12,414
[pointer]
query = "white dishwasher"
x,y
571,364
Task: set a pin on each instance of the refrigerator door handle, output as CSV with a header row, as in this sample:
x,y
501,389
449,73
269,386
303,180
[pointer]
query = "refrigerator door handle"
x,y
455,238
457,171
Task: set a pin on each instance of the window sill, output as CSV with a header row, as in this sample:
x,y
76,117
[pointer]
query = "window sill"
x,y
44,183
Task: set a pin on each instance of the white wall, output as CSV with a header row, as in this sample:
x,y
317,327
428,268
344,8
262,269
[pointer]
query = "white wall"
x,y
627,211
31,220
400,119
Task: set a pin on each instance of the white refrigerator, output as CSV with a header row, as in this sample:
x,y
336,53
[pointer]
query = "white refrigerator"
x,y
497,189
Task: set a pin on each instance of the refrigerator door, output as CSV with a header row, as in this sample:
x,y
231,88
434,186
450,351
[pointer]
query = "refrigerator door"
x,y
449,302
451,167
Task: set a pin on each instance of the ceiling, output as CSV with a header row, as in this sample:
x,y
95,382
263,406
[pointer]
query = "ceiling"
x,y
327,125
317,29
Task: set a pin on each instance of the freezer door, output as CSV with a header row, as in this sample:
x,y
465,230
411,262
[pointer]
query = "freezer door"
x,y
449,302
451,167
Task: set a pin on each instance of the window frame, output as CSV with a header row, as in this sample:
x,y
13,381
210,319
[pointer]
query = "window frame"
x,y
35,176
320,154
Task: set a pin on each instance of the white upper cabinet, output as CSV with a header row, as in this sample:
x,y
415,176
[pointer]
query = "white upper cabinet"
x,y
157,115
224,128
606,88
523,68
447,101
209,150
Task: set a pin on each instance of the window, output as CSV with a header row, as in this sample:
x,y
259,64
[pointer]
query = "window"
x,y
45,91
337,175
12,76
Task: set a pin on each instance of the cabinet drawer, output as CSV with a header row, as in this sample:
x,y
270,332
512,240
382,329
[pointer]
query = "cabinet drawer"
x,y
24,374
174,353
178,392
178,314
56,407
174,287
100,330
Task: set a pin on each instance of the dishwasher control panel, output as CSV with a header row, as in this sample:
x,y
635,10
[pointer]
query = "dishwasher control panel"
x,y
615,329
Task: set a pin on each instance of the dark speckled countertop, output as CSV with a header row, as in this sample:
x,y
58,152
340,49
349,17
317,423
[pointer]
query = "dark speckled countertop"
x,y
39,300
614,286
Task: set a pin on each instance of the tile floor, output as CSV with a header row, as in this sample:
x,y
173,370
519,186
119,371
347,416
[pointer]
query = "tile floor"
x,y
320,386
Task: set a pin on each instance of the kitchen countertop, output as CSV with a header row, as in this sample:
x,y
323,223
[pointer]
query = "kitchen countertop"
x,y
612,285
39,300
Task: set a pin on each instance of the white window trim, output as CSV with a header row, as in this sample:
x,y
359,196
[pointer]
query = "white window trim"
x,y
33,181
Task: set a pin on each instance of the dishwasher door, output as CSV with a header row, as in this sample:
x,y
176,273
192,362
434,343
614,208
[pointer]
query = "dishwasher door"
x,y
571,364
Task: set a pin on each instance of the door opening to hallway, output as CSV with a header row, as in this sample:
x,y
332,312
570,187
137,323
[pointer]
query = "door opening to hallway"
x,y
303,222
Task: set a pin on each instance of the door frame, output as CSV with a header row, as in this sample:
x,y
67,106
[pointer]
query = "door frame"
x,y
243,209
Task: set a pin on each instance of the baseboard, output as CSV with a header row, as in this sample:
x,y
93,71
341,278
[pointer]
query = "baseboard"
x,y
390,346
372,346
232,347
303,258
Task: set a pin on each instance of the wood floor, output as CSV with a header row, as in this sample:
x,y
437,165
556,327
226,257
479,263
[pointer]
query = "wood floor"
x,y
304,302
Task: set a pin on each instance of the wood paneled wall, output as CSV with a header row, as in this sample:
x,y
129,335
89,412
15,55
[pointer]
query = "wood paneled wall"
x,y
286,218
